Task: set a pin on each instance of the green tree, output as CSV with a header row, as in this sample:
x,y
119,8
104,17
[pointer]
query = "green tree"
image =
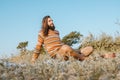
x,y
22,46
72,38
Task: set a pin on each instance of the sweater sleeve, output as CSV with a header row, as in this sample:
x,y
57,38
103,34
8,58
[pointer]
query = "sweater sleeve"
x,y
39,43
37,48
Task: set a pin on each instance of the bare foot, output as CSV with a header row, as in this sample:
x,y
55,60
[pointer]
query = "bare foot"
x,y
112,55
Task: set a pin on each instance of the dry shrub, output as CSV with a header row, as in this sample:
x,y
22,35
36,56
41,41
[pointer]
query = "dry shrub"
x,y
102,42
46,68
94,68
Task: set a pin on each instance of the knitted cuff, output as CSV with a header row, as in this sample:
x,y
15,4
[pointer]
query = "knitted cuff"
x,y
35,56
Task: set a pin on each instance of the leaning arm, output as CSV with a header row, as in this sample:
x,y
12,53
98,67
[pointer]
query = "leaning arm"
x,y
37,48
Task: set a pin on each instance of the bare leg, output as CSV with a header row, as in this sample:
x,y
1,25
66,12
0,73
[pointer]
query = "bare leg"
x,y
87,50
66,51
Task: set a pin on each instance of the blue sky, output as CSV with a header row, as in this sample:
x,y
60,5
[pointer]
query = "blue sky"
x,y
20,20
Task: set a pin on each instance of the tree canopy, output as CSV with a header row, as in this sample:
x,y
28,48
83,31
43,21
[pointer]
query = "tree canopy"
x,y
22,46
72,38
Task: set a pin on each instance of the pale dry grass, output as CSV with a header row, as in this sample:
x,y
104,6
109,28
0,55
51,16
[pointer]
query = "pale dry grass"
x,y
46,68
93,68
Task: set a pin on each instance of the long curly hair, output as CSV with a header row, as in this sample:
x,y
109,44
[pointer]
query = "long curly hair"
x,y
45,26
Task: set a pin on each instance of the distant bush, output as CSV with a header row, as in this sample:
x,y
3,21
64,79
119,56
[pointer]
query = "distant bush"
x,y
102,42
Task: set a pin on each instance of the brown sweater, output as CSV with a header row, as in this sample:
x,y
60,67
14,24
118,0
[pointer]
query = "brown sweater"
x,y
51,42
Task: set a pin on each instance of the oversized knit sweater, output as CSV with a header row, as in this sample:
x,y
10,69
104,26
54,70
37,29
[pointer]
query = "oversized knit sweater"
x,y
51,42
